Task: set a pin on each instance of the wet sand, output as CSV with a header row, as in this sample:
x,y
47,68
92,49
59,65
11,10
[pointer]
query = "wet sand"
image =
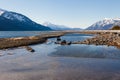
x,y
25,41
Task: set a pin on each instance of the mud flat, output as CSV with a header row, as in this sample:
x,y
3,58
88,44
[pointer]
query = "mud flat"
x,y
25,41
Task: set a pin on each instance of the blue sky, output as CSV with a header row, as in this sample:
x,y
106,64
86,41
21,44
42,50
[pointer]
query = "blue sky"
x,y
72,13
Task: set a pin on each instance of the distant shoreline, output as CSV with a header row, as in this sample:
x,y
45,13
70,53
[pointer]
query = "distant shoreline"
x,y
104,37
25,41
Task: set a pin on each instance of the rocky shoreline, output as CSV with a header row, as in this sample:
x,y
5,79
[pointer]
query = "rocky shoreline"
x,y
106,38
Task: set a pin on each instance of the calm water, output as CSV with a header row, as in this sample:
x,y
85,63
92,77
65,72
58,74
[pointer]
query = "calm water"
x,y
56,62
8,34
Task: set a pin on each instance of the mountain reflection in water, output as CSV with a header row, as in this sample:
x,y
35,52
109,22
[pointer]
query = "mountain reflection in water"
x,y
57,62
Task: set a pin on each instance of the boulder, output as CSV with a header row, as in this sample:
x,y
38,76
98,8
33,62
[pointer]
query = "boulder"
x,y
64,42
29,49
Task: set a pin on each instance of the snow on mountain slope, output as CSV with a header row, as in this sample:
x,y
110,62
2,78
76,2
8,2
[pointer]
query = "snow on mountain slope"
x,y
59,27
14,16
1,11
105,24
56,27
10,21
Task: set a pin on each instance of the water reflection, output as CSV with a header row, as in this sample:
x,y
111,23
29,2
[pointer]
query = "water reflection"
x,y
87,51
93,62
9,34
76,37
84,51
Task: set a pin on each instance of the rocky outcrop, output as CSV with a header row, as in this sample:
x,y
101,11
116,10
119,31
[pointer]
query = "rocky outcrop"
x,y
107,38
29,49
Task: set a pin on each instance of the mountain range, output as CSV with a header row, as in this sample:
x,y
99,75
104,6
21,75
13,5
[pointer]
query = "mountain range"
x,y
59,27
12,21
105,24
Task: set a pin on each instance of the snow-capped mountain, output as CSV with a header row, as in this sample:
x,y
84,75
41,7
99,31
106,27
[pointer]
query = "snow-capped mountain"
x,y
104,24
59,27
12,21
56,27
1,11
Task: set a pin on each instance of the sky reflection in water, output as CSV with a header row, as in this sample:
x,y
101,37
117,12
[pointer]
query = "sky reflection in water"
x,y
56,62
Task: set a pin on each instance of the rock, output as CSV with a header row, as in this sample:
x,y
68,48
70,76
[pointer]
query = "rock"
x,y
118,34
29,49
70,43
63,42
57,42
58,39
115,33
10,53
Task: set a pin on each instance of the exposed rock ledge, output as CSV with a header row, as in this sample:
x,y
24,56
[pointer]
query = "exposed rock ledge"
x,y
107,38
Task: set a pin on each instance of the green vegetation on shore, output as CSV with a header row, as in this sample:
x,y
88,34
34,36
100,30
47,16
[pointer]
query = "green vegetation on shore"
x,y
116,27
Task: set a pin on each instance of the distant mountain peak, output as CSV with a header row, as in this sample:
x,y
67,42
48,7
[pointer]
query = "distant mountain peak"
x,y
110,19
54,25
58,27
12,21
104,24
12,15
47,23
2,11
